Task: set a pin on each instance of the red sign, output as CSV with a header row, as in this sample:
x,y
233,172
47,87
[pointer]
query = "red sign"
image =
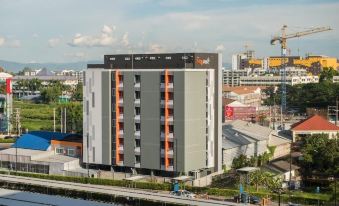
x,y
243,113
9,86
228,112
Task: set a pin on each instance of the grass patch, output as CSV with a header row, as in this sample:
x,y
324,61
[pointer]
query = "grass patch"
x,y
35,116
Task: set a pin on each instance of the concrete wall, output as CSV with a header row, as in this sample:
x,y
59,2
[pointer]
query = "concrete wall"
x,y
150,120
195,120
96,117
129,139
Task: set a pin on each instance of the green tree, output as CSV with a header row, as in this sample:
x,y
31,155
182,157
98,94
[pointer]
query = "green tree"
x,y
327,74
77,93
244,161
50,94
74,116
320,155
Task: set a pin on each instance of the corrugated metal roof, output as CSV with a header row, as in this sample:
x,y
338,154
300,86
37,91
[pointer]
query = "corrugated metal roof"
x,y
39,140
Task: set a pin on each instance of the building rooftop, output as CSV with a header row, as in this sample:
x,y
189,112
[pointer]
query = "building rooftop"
x,y
241,89
236,134
41,140
57,158
276,140
156,61
255,131
281,166
23,152
314,123
232,103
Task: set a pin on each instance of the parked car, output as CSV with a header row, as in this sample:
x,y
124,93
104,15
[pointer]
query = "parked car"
x,y
254,200
293,204
244,198
183,193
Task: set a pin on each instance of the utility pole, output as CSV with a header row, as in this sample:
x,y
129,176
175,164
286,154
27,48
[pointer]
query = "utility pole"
x,y
53,119
336,111
65,120
61,123
17,122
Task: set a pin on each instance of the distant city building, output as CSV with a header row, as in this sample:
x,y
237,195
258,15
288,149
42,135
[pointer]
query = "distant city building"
x,y
247,95
232,77
335,79
271,80
154,113
4,76
73,73
245,60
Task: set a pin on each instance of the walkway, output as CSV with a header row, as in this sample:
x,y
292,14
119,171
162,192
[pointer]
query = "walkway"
x,y
118,191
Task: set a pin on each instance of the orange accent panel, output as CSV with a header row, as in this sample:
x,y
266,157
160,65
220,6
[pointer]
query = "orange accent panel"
x,y
166,119
54,143
117,116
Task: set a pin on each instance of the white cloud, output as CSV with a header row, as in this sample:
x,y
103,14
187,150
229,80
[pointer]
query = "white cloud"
x,y
53,42
156,48
220,48
105,39
76,54
125,40
14,43
2,41
9,42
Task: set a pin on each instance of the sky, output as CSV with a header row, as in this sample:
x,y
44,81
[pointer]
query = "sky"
x,y
58,31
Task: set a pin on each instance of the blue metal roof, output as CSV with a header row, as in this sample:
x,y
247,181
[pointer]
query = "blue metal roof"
x,y
39,140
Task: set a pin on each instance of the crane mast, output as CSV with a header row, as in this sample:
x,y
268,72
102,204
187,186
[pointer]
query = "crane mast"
x,y
283,42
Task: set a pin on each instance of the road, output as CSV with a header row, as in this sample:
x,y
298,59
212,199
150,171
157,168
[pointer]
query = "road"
x,y
118,191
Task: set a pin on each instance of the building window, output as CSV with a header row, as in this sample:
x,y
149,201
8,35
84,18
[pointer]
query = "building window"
x,y
137,143
170,112
171,128
137,110
137,126
121,110
71,152
121,94
59,150
93,99
121,125
137,79
170,78
137,95
137,159
170,95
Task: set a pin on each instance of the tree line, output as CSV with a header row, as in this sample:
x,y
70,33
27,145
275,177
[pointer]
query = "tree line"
x,y
302,96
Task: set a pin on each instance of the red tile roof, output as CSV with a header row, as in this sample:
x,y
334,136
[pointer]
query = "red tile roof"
x,y
241,89
314,122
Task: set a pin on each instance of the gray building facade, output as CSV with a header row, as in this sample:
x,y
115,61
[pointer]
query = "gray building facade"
x,y
154,113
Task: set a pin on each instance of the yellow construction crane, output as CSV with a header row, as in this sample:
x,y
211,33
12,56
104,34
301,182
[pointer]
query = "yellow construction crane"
x,y
283,42
282,39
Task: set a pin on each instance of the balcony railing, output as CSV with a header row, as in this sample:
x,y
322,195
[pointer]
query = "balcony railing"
x,y
169,85
170,136
169,168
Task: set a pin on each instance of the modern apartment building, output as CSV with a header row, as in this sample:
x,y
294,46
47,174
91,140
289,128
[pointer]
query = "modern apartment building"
x,y
154,113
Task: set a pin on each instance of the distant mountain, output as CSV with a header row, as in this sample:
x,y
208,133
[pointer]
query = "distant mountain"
x,y
15,66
